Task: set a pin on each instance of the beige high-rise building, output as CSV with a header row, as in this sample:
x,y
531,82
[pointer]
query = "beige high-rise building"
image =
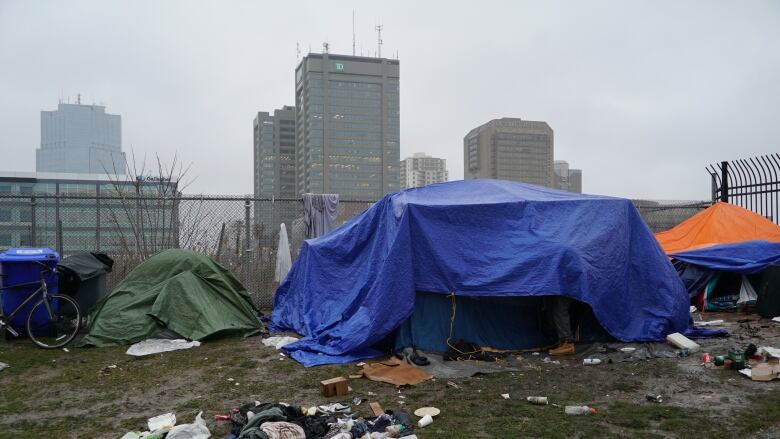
x,y
510,149
421,169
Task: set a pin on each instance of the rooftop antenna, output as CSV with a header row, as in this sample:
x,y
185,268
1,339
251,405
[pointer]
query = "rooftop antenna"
x,y
297,52
78,98
325,47
378,28
353,32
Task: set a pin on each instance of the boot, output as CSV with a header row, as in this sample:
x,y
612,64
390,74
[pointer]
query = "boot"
x,y
565,348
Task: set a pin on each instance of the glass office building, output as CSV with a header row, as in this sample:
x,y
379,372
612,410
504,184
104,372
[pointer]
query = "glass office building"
x,y
84,212
347,126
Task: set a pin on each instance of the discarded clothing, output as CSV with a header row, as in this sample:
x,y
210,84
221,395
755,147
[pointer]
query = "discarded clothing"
x,y
251,429
282,430
395,372
319,213
156,346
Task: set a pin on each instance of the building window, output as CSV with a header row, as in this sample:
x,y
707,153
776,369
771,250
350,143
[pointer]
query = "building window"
x,y
5,239
5,215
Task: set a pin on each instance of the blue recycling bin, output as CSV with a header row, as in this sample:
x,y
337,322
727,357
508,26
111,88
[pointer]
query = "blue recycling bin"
x,y
18,266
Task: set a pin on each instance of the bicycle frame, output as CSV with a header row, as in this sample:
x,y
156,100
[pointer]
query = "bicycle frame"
x,y
5,320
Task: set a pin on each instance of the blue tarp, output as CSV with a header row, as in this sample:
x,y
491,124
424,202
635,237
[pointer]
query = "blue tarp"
x,y
352,287
747,257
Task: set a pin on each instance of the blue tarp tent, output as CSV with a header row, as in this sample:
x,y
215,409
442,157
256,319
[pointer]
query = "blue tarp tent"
x,y
479,238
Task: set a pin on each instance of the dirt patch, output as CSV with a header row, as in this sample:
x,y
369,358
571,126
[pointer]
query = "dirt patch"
x,y
76,394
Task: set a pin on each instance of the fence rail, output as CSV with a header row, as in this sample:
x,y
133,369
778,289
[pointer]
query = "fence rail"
x,y
241,233
753,183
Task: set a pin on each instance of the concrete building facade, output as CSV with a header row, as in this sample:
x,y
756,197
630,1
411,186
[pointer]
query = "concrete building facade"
x,y
510,149
347,126
421,169
274,153
82,139
567,179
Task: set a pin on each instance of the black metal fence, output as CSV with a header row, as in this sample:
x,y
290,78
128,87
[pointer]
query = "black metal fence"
x,y
753,183
240,233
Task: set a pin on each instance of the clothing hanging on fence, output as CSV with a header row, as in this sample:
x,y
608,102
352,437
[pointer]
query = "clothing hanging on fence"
x,y
319,213
283,259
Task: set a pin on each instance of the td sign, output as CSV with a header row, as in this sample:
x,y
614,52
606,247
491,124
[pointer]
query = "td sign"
x,y
339,67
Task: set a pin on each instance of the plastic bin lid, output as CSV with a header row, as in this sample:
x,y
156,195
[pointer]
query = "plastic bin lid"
x,y
21,254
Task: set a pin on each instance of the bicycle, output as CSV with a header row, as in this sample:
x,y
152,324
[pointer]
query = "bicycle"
x,y
53,321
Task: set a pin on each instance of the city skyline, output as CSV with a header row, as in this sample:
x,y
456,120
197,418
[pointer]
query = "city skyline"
x,y
631,96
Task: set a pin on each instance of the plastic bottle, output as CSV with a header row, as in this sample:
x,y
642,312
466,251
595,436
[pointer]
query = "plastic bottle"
x,y
576,410
538,400
591,361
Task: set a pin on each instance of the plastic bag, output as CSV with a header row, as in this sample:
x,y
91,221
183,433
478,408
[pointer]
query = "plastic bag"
x,y
196,430
156,346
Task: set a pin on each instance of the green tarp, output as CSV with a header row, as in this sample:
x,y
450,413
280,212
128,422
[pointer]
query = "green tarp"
x,y
180,290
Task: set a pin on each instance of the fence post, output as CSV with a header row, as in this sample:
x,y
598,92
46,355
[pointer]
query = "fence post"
x,y
33,224
247,242
724,184
57,223
60,245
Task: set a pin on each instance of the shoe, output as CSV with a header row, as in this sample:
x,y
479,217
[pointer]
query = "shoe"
x,y
565,348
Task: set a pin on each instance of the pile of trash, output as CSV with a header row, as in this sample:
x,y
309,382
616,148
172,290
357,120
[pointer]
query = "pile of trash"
x,y
257,420
164,426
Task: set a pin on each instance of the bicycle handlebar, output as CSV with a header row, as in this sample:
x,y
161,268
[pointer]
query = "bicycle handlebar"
x,y
53,270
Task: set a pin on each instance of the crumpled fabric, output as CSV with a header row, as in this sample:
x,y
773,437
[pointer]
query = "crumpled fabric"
x,y
283,258
252,428
319,213
283,430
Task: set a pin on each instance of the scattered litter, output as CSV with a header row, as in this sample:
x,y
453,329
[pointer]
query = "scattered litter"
x,y
65,349
162,422
505,395
763,372
538,400
577,410
237,383
746,372
112,366
279,342
371,394
332,409
693,309
451,384
425,421
401,396
427,411
376,409
548,360
358,400
652,397
591,361
627,350
710,323
535,353
682,342
355,377
361,364
156,346
4,365
281,354
334,387
131,435
776,319
771,352
196,430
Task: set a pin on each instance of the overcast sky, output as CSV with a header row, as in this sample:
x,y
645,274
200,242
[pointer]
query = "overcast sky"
x,y
641,95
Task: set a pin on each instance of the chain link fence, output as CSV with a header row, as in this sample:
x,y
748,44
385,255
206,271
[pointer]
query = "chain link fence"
x,y
240,233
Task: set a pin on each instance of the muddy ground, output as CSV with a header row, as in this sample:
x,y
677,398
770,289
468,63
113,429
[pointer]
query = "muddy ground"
x,y
77,393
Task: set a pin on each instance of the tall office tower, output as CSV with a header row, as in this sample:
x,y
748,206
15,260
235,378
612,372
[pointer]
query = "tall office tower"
x,y
347,126
274,150
566,178
82,139
510,149
420,170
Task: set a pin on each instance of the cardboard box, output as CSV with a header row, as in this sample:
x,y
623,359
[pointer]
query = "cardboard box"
x,y
376,408
334,387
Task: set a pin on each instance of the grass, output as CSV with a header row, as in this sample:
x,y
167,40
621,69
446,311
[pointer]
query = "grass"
x,y
76,394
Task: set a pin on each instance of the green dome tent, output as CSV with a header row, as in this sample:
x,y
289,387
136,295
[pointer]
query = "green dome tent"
x,y
179,290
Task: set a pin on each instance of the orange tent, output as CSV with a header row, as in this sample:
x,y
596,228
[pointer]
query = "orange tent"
x,y
721,223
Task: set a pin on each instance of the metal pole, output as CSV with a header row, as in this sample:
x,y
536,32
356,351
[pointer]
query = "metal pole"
x,y
724,188
247,241
60,245
33,224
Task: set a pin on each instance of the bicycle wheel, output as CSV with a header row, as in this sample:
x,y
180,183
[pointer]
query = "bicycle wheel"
x,y
58,328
